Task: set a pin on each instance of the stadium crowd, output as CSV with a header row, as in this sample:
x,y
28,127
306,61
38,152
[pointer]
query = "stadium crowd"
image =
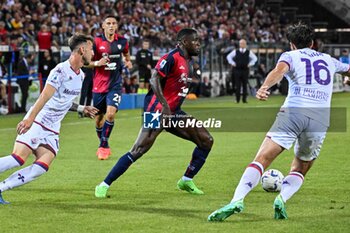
x,y
49,23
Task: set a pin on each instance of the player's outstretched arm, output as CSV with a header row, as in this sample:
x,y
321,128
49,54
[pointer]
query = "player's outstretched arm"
x,y
157,89
88,111
45,95
272,78
102,62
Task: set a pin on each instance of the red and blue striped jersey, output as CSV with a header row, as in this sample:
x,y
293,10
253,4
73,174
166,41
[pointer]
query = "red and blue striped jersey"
x,y
176,72
109,77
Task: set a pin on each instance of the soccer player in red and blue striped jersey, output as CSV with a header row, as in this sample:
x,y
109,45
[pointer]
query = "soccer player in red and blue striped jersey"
x,y
110,48
170,84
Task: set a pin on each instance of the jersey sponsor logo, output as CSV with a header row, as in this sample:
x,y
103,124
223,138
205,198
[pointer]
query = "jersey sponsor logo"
x,y
111,66
151,120
184,78
182,68
71,92
162,64
114,56
102,47
311,93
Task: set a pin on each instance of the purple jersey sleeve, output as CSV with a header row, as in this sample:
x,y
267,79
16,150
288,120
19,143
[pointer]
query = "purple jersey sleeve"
x,y
339,66
286,58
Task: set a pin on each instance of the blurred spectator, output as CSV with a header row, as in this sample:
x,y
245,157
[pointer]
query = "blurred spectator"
x,y
144,59
260,74
44,38
205,87
46,65
344,58
30,35
86,89
3,32
3,96
24,69
131,85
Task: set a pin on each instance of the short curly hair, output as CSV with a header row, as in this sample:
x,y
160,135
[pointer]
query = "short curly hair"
x,y
300,34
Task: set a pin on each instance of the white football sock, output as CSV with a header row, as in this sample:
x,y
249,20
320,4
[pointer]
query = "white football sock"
x,y
9,162
23,176
249,180
291,184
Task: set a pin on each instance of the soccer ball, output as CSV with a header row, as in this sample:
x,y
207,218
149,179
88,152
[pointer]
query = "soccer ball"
x,y
3,110
271,180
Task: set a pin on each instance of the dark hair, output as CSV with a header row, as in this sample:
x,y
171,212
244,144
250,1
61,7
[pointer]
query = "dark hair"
x,y
111,16
185,32
77,40
29,55
300,34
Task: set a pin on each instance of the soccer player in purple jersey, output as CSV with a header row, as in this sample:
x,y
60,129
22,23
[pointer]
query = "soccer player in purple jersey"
x,y
170,82
303,119
110,48
38,132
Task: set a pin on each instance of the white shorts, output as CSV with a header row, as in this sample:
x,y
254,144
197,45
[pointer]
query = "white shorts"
x,y
307,134
38,136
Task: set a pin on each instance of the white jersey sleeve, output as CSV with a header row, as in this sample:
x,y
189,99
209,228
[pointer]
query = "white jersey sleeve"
x,y
340,67
55,77
286,58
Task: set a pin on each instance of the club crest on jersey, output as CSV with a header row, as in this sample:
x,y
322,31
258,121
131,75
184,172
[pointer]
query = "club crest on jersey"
x,y
182,68
119,46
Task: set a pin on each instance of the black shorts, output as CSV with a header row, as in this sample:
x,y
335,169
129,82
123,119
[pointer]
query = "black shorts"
x,y
144,76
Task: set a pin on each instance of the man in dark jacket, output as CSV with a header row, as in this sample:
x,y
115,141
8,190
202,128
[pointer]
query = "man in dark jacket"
x,y
22,70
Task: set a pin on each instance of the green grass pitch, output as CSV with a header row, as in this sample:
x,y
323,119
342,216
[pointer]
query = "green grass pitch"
x,y
145,198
